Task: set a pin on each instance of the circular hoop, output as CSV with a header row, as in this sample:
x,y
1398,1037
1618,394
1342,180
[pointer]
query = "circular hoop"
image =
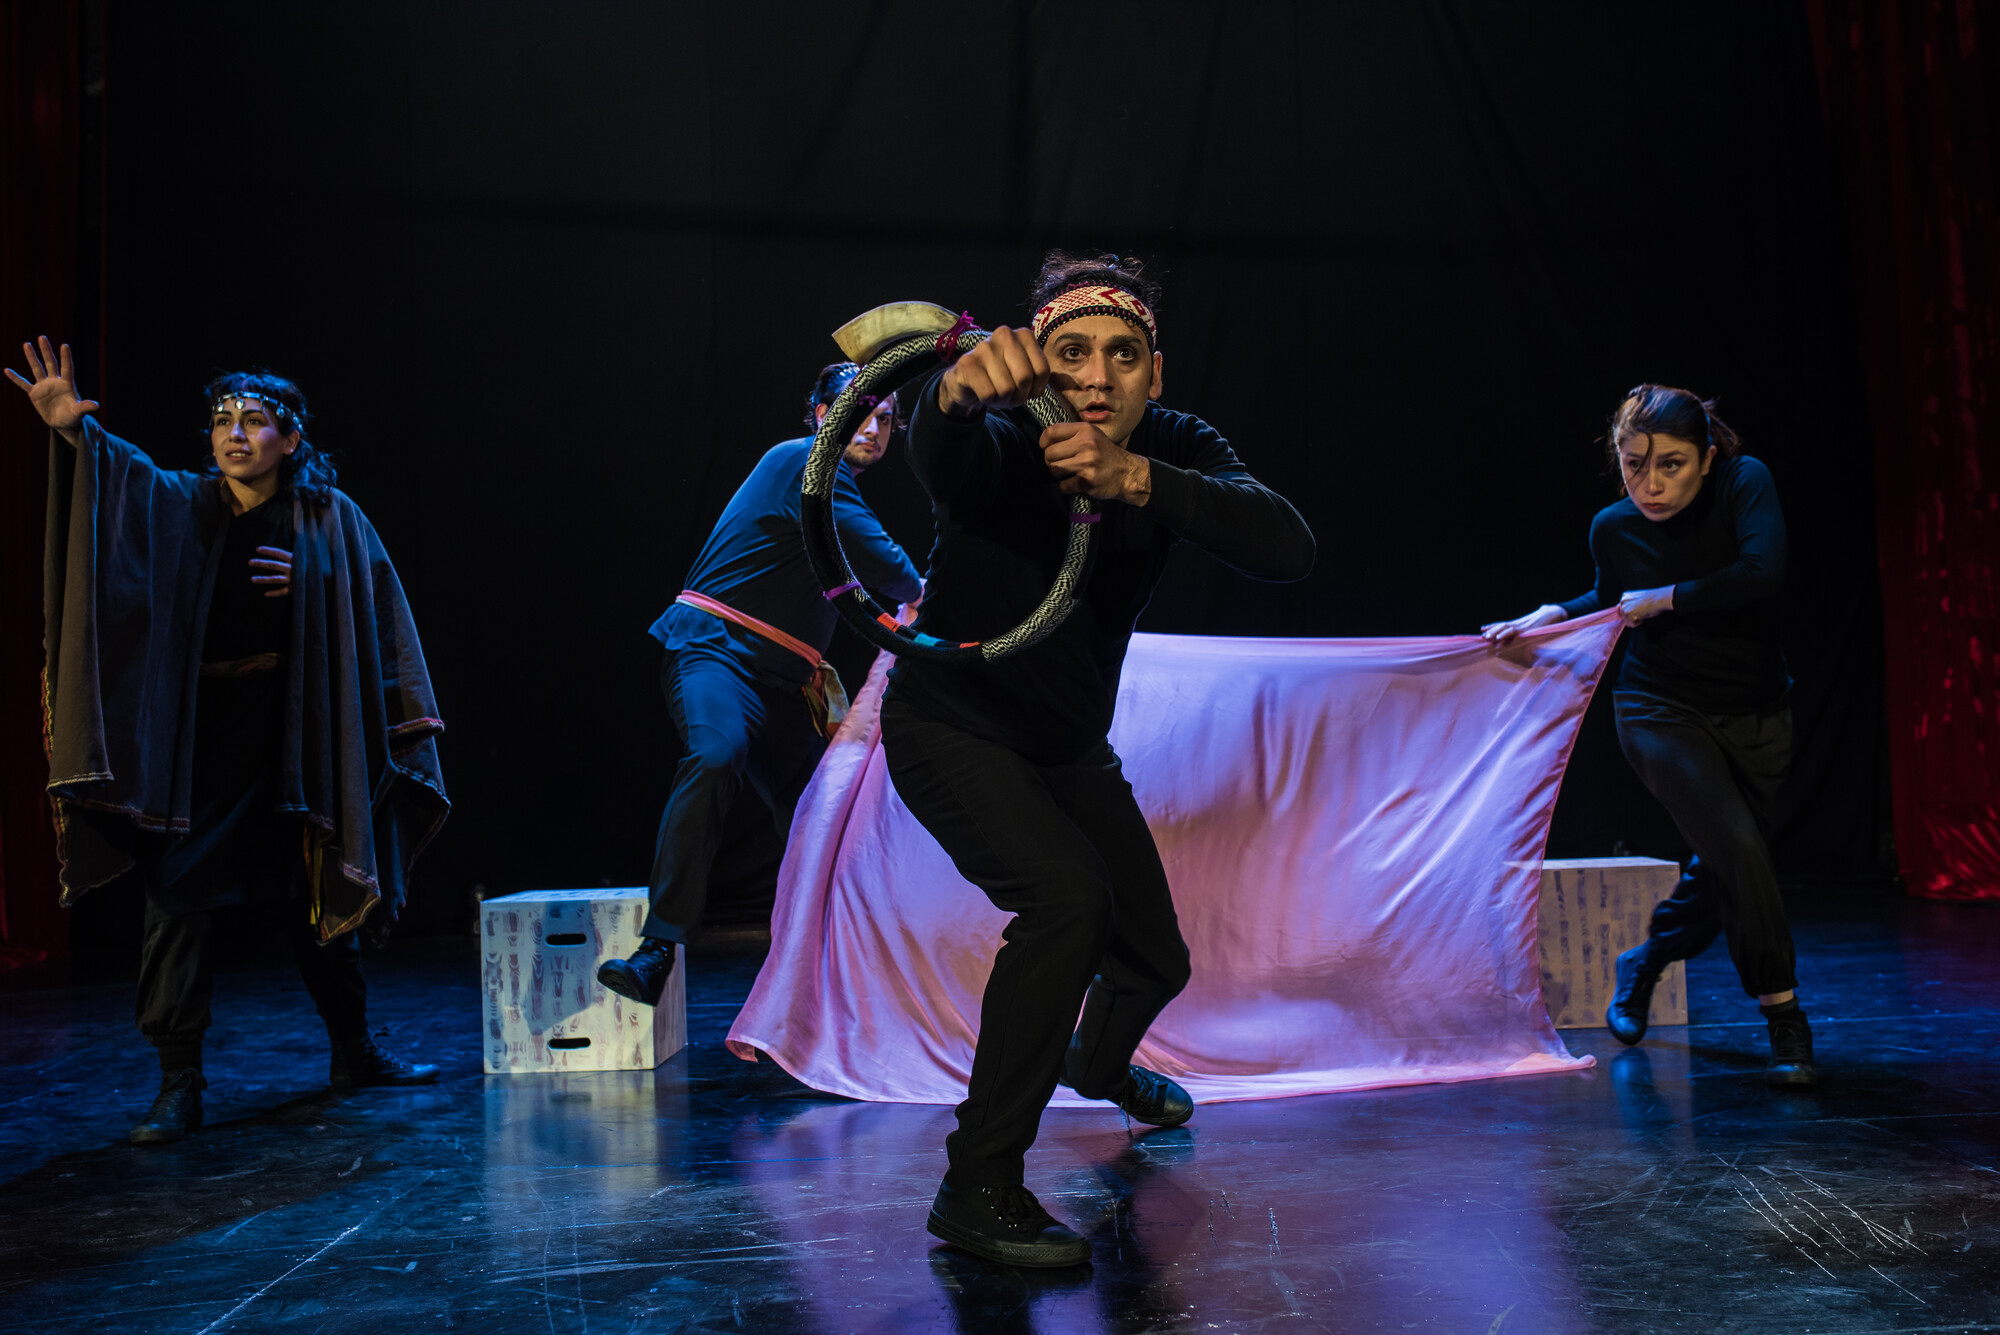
x,y
893,369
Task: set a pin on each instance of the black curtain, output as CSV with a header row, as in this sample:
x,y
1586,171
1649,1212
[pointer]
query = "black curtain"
x,y
554,276
51,142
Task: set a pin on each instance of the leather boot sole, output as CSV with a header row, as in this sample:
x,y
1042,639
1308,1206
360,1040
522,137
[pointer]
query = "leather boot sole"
x,y
155,1133
1627,1028
623,979
1029,1255
159,1135
1626,1031
1162,1120
1791,1077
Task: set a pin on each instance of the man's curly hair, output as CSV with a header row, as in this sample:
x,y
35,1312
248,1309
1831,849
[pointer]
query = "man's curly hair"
x,y
1062,269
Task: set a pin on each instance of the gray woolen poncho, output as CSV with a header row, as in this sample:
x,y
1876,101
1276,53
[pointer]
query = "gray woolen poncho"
x,y
131,560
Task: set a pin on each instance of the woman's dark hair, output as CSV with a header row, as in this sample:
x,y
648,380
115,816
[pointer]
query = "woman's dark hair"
x,y
307,470
1653,410
1062,268
827,387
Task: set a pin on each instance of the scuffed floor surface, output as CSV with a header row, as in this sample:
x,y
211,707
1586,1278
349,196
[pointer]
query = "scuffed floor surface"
x,y
1667,1190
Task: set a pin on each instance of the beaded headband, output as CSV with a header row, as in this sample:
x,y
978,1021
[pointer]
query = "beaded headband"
x,y
1093,299
236,398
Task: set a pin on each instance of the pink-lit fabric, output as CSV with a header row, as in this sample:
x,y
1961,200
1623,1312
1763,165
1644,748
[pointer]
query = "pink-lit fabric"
x,y
1351,829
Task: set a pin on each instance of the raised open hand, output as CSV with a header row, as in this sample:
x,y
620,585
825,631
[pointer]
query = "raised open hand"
x,y
53,390
274,567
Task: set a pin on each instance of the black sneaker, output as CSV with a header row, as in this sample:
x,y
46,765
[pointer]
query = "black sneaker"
x,y
366,1062
1004,1224
644,976
1152,1098
1791,1047
175,1112
1626,1016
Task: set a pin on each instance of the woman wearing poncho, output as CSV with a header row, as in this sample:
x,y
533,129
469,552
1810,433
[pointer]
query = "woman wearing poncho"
x,y
235,708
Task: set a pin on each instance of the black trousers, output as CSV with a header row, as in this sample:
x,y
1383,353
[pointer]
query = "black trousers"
x,y
733,727
1718,776
1064,849
177,983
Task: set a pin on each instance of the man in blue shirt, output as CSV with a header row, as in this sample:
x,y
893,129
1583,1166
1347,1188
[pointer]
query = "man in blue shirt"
x,y
743,675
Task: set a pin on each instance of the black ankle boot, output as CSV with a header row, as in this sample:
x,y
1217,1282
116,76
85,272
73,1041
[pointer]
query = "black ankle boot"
x,y
1791,1047
1626,1016
364,1061
644,976
176,1111
1004,1224
1152,1098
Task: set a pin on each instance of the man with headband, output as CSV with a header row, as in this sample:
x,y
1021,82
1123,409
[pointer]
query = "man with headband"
x,y
1006,762
744,675
238,712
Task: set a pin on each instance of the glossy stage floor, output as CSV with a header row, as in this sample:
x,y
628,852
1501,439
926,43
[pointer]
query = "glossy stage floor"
x,y
1666,1190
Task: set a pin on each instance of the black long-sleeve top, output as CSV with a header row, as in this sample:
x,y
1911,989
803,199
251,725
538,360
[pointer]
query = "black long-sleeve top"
x,y
243,621
1721,648
1002,527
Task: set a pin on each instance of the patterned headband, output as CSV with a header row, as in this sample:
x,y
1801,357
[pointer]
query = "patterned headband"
x,y
1094,299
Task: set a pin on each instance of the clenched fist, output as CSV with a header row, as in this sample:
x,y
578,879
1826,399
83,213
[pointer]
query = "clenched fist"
x,y
1005,371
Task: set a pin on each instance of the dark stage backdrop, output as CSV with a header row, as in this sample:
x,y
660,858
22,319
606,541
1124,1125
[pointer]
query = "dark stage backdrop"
x,y
43,114
554,277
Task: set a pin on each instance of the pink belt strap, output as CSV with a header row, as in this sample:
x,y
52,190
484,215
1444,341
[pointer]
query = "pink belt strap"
x,y
825,697
751,624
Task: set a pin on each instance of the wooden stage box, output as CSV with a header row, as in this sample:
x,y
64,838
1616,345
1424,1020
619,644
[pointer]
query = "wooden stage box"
x,y
545,1009
1593,910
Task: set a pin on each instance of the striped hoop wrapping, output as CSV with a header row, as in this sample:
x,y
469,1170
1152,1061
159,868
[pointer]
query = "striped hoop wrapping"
x,y
891,370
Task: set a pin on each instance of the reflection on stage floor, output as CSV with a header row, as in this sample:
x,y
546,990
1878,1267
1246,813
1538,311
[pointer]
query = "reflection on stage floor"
x,y
1665,1190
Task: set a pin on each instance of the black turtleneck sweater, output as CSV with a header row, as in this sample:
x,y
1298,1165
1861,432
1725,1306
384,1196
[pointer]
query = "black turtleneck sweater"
x,y
1721,650
243,620
1002,526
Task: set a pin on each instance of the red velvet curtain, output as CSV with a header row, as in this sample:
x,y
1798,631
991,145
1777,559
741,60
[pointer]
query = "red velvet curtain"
x,y
41,91
1912,97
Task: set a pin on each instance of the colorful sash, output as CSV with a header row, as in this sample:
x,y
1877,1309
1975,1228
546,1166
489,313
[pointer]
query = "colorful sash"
x,y
825,697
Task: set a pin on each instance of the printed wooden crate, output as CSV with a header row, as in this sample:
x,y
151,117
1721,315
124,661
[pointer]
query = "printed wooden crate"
x,y
545,1009
1593,910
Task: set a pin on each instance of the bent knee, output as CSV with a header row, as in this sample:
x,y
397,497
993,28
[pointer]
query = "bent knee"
x,y
715,753
1068,899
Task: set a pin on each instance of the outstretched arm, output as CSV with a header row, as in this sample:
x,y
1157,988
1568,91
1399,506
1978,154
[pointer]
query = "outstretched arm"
x,y
53,390
1195,485
952,450
1602,594
1499,632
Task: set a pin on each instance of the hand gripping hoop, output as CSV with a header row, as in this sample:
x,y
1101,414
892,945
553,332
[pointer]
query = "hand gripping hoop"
x,y
898,345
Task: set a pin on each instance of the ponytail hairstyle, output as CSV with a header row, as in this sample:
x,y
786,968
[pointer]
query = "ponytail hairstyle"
x,y
1661,410
307,471
832,382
